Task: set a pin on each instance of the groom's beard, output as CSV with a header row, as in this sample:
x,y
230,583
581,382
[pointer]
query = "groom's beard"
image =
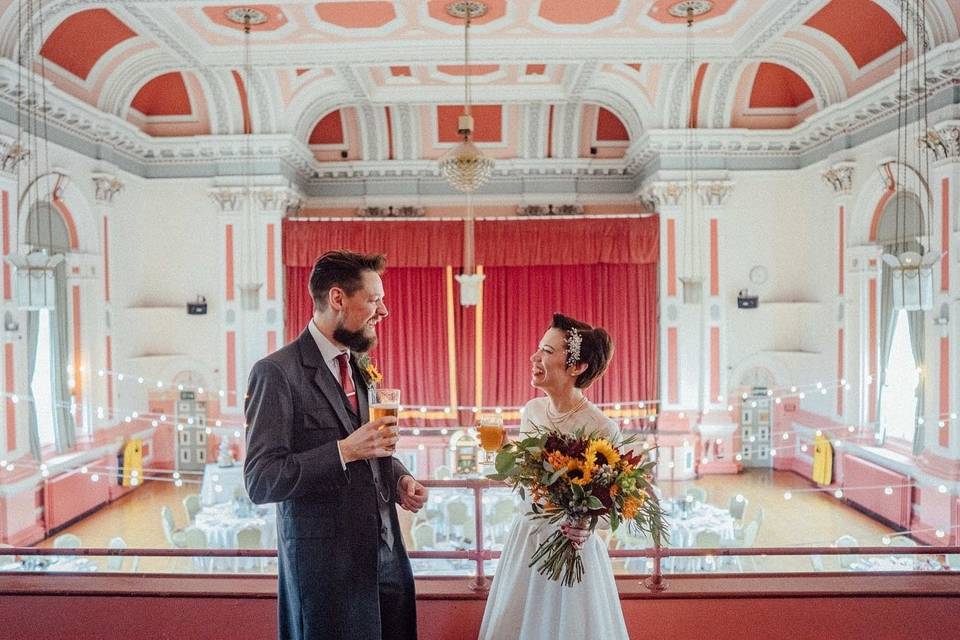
x,y
354,340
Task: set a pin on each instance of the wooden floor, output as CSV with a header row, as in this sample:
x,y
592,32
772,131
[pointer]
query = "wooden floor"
x,y
807,519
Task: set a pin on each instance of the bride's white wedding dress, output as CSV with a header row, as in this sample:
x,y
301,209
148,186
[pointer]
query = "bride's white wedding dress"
x,y
524,605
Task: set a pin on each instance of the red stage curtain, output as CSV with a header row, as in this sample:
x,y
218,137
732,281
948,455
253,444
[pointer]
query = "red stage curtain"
x,y
406,243
537,242
520,301
413,352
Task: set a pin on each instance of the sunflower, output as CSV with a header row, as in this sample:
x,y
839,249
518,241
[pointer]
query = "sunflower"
x,y
602,453
580,472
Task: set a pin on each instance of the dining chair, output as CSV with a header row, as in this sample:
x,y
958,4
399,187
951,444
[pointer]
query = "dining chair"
x,y
708,540
845,559
248,538
699,494
192,506
738,507
424,537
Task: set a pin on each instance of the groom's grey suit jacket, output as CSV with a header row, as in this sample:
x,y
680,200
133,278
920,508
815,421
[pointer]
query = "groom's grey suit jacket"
x,y
328,523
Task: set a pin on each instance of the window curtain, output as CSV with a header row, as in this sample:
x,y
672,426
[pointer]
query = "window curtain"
x,y
33,329
916,320
887,326
65,430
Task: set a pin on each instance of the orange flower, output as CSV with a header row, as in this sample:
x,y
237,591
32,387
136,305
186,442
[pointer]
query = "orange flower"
x,y
557,460
630,508
614,490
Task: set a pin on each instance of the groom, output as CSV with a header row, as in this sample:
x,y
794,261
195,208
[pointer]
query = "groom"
x,y
343,569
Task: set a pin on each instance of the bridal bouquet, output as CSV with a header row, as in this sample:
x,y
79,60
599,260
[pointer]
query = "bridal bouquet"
x,y
579,478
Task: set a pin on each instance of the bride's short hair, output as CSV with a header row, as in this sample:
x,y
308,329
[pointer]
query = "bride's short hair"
x,y
596,347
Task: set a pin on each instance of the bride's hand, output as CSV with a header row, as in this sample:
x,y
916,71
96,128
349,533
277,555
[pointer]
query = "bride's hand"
x,y
576,531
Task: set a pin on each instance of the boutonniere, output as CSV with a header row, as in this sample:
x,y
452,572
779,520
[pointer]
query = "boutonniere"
x,y
370,372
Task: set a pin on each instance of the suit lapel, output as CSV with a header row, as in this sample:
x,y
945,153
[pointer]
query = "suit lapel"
x,y
363,392
323,379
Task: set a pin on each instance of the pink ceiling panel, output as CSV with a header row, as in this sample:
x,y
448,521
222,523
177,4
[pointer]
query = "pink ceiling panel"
x,y
864,29
81,40
356,15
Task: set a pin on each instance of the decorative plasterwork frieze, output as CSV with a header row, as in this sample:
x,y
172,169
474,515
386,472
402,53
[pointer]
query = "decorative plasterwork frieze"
x,y
390,211
714,193
943,140
840,177
550,210
11,155
665,193
105,187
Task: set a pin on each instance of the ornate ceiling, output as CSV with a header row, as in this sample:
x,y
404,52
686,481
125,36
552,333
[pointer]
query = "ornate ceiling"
x,y
382,81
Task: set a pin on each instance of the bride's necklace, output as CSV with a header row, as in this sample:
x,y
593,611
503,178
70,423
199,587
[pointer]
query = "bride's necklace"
x,y
557,419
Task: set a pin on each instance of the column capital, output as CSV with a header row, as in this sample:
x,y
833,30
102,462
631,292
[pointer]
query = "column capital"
x,y
105,187
840,177
283,200
11,154
943,140
670,193
227,199
714,193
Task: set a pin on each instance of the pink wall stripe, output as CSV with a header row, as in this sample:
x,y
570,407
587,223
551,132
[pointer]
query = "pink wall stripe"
x,y
840,376
673,382
7,289
944,433
106,259
10,389
231,368
271,268
671,258
843,243
109,363
77,357
714,260
872,388
945,231
714,363
271,341
228,249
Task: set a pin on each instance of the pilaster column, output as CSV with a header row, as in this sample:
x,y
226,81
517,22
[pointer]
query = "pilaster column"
x,y
253,303
104,394
839,178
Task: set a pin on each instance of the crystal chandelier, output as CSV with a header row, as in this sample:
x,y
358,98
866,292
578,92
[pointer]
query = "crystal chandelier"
x,y
911,260
465,167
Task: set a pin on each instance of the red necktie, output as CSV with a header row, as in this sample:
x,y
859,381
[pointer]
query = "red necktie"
x,y
346,381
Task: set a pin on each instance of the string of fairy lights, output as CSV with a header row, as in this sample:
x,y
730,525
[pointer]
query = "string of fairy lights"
x,y
633,411
645,411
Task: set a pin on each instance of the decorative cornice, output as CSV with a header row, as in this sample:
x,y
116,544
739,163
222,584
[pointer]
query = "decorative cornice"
x,y
106,186
840,177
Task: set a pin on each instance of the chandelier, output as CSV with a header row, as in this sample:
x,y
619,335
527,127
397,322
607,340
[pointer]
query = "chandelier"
x,y
911,259
465,167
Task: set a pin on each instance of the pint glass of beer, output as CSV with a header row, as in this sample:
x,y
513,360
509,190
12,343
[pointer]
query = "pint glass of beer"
x,y
490,428
386,403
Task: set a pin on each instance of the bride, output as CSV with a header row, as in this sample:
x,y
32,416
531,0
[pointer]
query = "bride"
x,y
524,605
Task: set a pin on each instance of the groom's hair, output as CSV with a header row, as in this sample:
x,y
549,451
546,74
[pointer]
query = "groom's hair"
x,y
596,347
343,269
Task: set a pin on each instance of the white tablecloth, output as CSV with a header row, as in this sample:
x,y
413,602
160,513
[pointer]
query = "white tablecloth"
x,y
895,563
220,524
220,482
700,517
56,564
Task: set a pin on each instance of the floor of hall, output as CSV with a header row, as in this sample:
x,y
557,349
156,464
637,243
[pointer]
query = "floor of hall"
x,y
809,518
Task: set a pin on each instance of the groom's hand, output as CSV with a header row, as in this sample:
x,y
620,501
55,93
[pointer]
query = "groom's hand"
x,y
411,494
376,439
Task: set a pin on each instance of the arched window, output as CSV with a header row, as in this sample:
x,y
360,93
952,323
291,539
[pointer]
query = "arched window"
x,y
51,418
901,332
